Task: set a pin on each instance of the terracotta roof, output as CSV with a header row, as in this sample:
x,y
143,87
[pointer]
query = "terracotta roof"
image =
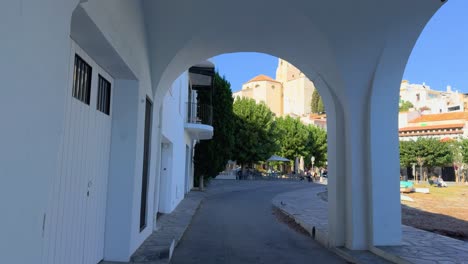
x,y
262,77
441,117
446,139
436,127
317,116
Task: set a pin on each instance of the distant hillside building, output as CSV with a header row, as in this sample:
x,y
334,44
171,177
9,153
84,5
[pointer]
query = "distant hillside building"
x,y
429,101
289,94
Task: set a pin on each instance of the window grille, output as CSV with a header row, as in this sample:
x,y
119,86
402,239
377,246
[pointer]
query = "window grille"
x,y
104,95
82,80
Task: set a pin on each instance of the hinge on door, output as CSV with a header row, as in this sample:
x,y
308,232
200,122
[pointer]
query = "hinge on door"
x,y
43,224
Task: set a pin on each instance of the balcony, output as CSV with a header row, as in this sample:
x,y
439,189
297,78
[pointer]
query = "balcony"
x,y
198,122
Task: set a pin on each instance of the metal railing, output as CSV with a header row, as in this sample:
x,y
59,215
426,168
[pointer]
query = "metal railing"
x,y
199,114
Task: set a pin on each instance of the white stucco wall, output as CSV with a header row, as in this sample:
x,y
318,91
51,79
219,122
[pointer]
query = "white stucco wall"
x,y
174,113
128,39
355,66
40,32
32,103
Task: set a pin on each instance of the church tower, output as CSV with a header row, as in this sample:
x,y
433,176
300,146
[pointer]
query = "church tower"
x,y
286,71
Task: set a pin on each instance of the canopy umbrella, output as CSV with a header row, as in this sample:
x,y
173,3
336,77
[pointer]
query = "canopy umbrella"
x,y
276,158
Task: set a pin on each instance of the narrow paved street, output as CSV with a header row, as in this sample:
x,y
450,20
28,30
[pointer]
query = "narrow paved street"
x,y
240,227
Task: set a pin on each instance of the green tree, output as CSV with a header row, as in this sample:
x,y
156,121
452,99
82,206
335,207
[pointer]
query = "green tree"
x,y
432,151
255,131
320,106
407,153
212,155
316,103
405,106
292,137
464,150
316,146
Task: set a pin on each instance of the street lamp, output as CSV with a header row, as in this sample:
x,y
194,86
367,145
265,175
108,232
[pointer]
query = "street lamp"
x,y
312,160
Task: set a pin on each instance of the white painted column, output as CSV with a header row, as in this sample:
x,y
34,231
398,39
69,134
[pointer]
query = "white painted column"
x,y
385,215
356,175
384,168
364,184
122,171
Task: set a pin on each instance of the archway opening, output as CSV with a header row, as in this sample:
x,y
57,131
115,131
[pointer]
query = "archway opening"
x,y
432,115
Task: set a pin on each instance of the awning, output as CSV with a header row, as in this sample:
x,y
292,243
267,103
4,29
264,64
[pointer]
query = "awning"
x,y
277,158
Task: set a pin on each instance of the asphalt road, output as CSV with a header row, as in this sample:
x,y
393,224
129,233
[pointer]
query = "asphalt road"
x,y
241,227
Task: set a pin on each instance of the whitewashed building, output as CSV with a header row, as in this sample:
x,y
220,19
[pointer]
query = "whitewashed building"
x,y
83,88
184,123
430,101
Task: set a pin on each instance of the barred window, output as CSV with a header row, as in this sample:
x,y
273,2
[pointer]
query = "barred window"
x,y
104,95
82,80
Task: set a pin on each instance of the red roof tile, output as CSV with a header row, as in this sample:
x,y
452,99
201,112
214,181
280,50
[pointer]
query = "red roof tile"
x,y
441,117
262,77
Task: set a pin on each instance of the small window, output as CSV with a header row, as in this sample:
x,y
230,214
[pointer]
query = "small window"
x,y
104,95
82,80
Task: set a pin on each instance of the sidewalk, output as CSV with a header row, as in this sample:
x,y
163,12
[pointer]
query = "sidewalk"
x,y
418,246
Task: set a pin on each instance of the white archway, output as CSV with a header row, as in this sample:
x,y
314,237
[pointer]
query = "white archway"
x,y
357,49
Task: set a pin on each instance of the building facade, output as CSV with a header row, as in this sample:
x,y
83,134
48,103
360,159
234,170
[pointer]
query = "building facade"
x,y
429,101
289,94
441,126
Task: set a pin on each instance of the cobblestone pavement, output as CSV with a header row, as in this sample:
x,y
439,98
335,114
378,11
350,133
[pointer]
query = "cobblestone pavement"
x,y
418,246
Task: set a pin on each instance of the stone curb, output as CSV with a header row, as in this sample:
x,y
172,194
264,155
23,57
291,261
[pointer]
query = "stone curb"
x,y
318,231
418,246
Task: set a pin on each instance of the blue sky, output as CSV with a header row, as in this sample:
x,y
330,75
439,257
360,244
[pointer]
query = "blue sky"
x,y
440,57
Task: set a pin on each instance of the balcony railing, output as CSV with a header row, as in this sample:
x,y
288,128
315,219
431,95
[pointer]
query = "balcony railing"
x,y
199,114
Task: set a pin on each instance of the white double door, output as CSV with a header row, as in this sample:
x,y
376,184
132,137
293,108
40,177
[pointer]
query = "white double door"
x,y
75,222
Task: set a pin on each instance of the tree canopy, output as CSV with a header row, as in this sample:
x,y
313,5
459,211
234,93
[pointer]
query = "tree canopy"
x,y
292,139
255,130
212,155
316,145
316,104
433,152
405,106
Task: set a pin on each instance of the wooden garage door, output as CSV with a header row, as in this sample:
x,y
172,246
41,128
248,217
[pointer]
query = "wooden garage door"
x,y
74,225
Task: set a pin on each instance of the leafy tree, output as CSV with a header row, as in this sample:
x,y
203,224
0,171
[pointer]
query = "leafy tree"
x,y
464,150
316,104
212,155
292,137
405,106
432,151
320,106
407,153
316,146
255,131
